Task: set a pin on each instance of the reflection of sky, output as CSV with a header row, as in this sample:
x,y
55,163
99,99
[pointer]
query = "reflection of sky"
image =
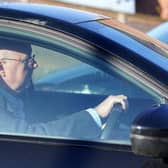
x,y
117,5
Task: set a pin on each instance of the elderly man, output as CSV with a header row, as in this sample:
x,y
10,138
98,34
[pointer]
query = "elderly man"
x,y
16,68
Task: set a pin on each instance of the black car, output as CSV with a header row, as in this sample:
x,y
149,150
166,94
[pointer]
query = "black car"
x,y
84,57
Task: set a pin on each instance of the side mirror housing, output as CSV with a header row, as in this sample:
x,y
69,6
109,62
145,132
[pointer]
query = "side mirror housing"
x,y
149,132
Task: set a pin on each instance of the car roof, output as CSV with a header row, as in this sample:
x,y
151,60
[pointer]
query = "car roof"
x,y
19,11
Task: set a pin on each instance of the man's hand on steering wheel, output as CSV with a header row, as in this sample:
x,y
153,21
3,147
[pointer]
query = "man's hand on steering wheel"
x,y
106,106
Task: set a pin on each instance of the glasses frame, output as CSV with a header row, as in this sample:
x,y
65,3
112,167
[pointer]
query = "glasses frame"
x,y
27,60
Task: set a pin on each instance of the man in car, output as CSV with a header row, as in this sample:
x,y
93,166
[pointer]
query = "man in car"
x,y
16,68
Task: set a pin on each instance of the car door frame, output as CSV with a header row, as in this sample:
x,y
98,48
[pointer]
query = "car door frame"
x,y
67,144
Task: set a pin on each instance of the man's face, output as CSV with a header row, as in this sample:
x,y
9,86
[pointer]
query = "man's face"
x,y
16,73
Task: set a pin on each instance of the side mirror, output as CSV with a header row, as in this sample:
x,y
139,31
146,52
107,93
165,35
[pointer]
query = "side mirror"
x,y
149,133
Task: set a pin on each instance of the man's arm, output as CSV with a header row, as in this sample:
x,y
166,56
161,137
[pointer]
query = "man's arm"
x,y
103,110
106,106
78,125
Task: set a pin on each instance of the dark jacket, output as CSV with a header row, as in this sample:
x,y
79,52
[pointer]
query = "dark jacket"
x,y
12,119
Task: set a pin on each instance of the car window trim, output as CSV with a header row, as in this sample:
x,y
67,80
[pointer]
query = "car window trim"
x,y
52,141
140,75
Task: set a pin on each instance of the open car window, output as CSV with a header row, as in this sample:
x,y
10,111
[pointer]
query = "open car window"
x,y
69,80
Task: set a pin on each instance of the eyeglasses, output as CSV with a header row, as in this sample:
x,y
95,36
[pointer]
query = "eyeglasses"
x,y
29,61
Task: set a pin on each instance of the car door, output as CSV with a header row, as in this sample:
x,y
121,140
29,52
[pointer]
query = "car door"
x,y
72,76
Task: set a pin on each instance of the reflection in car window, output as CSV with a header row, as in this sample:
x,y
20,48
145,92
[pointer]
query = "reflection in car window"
x,y
65,87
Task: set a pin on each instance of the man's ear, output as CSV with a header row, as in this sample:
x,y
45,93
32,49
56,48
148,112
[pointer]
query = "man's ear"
x,y
2,72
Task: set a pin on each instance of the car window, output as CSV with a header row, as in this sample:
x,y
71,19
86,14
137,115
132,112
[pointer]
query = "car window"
x,y
86,84
69,80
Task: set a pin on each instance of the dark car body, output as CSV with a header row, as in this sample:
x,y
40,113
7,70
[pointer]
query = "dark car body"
x,y
114,50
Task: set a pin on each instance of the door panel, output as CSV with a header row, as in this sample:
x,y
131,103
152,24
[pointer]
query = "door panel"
x,y
18,155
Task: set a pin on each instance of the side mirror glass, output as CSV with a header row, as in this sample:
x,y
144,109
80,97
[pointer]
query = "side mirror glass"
x,y
149,132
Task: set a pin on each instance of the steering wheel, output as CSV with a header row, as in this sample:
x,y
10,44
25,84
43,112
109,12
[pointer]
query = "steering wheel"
x,y
113,121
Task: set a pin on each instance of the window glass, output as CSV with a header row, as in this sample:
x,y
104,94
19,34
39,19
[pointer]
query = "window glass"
x,y
85,85
68,81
